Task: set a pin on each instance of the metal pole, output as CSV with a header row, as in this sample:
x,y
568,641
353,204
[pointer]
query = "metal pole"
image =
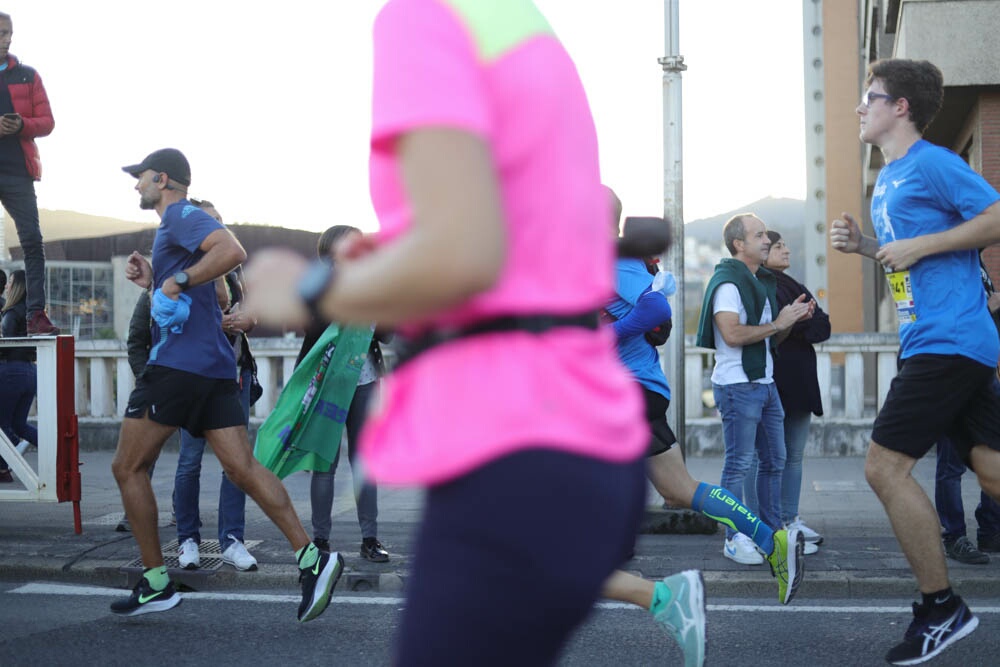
x,y
673,182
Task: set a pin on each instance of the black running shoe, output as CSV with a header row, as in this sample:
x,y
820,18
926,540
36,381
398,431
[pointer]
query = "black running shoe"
x,y
931,632
145,600
317,584
372,549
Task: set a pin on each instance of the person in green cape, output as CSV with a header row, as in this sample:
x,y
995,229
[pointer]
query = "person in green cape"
x,y
321,485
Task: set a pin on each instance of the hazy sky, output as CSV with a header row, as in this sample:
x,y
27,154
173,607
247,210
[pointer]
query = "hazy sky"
x,y
270,101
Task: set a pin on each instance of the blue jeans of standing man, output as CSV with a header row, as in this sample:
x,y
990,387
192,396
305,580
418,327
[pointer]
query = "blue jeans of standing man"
x,y
796,436
17,194
187,485
18,386
753,419
365,493
948,498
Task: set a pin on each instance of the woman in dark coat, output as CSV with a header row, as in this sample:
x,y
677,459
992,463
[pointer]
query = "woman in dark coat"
x,y
798,387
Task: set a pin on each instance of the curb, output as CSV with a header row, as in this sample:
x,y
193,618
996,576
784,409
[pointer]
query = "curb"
x,y
750,584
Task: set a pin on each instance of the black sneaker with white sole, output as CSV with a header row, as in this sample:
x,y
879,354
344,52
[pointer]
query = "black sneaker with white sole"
x,y
145,600
932,631
317,584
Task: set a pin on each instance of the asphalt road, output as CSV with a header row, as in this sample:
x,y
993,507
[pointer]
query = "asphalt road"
x,y
63,624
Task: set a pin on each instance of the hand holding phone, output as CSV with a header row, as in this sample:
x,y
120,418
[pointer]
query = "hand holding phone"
x,y
12,116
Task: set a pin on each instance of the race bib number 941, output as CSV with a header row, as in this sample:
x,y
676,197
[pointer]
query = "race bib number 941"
x,y
902,295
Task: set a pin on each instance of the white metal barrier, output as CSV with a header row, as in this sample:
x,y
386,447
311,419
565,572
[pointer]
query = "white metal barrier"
x,y
56,476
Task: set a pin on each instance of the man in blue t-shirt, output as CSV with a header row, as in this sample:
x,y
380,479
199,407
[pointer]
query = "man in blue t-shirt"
x,y
931,212
190,382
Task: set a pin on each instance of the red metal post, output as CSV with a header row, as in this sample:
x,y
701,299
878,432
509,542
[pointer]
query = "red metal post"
x,y
68,486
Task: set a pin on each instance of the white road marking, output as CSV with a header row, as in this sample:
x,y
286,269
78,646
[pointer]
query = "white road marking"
x,y
96,591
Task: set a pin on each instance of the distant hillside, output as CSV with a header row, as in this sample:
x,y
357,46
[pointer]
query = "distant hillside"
x,y
785,216
58,225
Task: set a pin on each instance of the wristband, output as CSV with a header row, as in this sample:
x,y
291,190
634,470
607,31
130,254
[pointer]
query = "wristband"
x,y
315,283
774,327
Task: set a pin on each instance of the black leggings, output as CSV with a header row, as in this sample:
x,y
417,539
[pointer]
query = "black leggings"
x,y
511,558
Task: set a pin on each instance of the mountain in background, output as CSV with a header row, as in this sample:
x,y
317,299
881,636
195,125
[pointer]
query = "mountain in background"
x,y
785,216
57,225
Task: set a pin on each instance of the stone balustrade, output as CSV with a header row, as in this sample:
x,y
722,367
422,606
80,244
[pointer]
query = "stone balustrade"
x,y
854,374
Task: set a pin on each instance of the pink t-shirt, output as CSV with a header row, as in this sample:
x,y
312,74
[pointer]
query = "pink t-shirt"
x,y
495,69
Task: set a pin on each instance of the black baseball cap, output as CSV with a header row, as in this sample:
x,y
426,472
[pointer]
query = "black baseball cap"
x,y
168,160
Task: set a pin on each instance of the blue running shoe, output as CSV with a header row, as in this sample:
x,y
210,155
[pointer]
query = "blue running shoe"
x,y
932,631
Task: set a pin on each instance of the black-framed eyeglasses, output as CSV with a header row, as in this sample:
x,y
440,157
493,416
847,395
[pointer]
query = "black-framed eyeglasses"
x,y
870,97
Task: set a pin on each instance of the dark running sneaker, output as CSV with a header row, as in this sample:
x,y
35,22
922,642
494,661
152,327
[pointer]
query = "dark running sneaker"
x,y
964,551
372,549
39,325
321,544
931,632
317,584
145,600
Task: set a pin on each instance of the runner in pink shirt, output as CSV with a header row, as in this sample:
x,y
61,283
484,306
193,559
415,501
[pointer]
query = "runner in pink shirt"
x,y
493,260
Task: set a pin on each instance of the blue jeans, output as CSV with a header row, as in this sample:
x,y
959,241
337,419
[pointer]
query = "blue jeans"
x,y
18,385
365,493
187,486
796,436
948,498
17,194
752,419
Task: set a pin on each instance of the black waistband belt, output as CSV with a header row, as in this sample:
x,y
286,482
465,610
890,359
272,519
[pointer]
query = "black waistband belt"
x,y
536,324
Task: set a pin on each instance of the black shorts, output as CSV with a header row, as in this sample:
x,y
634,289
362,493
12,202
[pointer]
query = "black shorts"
x,y
190,401
662,436
936,395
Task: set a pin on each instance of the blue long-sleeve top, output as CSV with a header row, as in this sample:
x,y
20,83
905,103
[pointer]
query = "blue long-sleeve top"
x,y
638,309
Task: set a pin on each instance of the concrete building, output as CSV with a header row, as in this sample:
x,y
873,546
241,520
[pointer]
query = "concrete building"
x,y
956,35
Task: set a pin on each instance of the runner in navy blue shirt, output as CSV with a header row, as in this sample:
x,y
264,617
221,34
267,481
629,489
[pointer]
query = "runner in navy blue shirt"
x,y
190,382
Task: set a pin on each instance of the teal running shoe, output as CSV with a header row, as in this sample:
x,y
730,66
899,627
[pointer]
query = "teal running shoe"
x,y
684,617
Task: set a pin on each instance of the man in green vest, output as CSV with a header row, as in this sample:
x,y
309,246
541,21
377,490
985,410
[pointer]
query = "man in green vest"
x,y
738,322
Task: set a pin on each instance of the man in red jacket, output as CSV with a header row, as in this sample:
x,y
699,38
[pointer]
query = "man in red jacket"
x,y
24,114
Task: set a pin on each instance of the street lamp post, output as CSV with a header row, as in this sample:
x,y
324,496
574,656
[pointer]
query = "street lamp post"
x,y
673,185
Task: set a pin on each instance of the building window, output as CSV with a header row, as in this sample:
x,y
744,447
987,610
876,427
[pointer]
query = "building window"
x,y
80,298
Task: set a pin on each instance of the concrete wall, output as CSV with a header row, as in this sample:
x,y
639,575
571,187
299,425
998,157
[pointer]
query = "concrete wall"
x,y
960,37
125,294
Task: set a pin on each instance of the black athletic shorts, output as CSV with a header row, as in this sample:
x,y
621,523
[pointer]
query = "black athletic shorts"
x,y
662,437
936,395
190,401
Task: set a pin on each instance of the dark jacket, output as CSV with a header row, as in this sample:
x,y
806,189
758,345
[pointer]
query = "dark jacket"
x,y
140,337
14,324
795,366
27,94
754,294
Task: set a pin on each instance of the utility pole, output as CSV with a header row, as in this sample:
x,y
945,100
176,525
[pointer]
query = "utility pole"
x,y
673,210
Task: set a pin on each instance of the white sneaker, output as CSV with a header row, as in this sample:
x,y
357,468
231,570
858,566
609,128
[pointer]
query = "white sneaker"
x,y
809,548
236,554
188,555
742,550
22,447
808,533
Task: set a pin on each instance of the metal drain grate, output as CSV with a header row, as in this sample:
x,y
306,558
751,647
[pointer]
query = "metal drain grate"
x,y
209,550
